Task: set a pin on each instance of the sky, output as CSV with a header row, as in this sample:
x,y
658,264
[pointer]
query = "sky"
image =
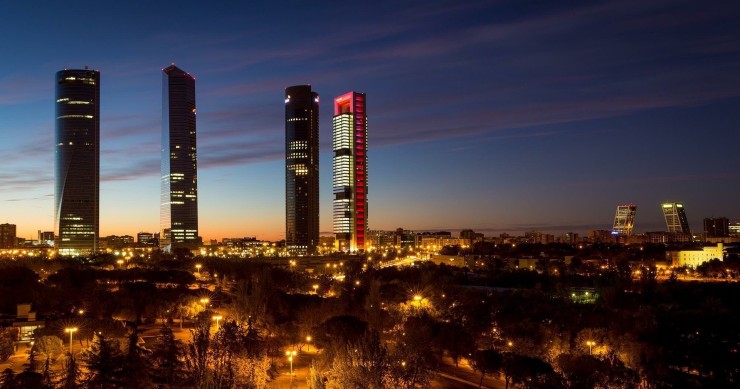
x,y
500,116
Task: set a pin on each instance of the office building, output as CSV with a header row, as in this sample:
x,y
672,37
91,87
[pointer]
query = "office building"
x,y
349,142
179,195
716,227
624,220
675,218
301,170
145,238
7,236
77,165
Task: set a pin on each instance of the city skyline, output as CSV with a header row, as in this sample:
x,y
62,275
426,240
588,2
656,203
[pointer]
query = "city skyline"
x,y
471,107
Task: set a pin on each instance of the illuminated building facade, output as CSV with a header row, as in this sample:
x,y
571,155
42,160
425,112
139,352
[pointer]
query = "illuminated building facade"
x,y
77,163
350,171
179,195
624,220
675,218
301,170
694,258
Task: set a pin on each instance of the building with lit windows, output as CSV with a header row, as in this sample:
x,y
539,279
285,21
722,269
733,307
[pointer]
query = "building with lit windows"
x,y
179,195
675,218
301,170
349,144
77,163
694,258
624,220
8,239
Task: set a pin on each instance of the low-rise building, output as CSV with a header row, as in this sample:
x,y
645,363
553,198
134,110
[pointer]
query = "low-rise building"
x,y
694,258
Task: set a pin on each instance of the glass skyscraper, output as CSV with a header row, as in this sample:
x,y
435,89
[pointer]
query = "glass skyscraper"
x,y
624,220
301,169
77,164
350,171
179,195
675,218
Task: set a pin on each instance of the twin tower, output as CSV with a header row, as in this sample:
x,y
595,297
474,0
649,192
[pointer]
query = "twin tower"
x,y
349,146
77,165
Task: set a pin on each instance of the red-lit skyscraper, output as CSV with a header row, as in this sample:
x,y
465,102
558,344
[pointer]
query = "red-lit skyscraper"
x,y
350,171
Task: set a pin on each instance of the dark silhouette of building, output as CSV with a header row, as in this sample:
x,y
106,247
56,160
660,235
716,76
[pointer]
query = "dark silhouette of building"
x,y
8,238
77,175
301,169
716,227
350,171
179,195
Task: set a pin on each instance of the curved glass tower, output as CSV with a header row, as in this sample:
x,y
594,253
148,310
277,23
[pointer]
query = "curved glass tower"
x,y
77,165
179,195
301,169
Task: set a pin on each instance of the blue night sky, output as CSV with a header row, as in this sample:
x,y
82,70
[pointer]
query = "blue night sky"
x,y
496,116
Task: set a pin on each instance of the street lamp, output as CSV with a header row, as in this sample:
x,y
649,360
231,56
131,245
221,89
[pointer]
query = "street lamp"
x,y
120,262
308,341
205,302
71,331
217,318
315,288
590,345
290,355
197,267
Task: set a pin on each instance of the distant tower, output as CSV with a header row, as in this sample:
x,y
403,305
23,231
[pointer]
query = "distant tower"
x,y
624,220
301,169
716,227
350,171
77,175
179,195
675,218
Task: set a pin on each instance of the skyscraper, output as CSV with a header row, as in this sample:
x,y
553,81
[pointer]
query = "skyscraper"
x,y
716,227
77,165
179,195
8,239
350,171
675,218
301,169
624,220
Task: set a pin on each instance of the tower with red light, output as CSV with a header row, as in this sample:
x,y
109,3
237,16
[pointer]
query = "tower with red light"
x,y
349,144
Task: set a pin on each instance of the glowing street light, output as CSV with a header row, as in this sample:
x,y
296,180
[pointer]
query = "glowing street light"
x,y
590,344
197,267
119,262
308,341
290,355
217,318
71,331
205,302
315,288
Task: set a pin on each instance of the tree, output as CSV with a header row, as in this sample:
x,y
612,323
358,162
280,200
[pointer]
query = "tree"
x,y
104,362
8,379
48,346
136,370
71,377
487,362
166,358
315,380
363,364
7,339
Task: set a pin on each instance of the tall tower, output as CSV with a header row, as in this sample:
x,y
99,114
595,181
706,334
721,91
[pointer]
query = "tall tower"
x,y
350,171
77,165
624,220
675,218
179,195
301,169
